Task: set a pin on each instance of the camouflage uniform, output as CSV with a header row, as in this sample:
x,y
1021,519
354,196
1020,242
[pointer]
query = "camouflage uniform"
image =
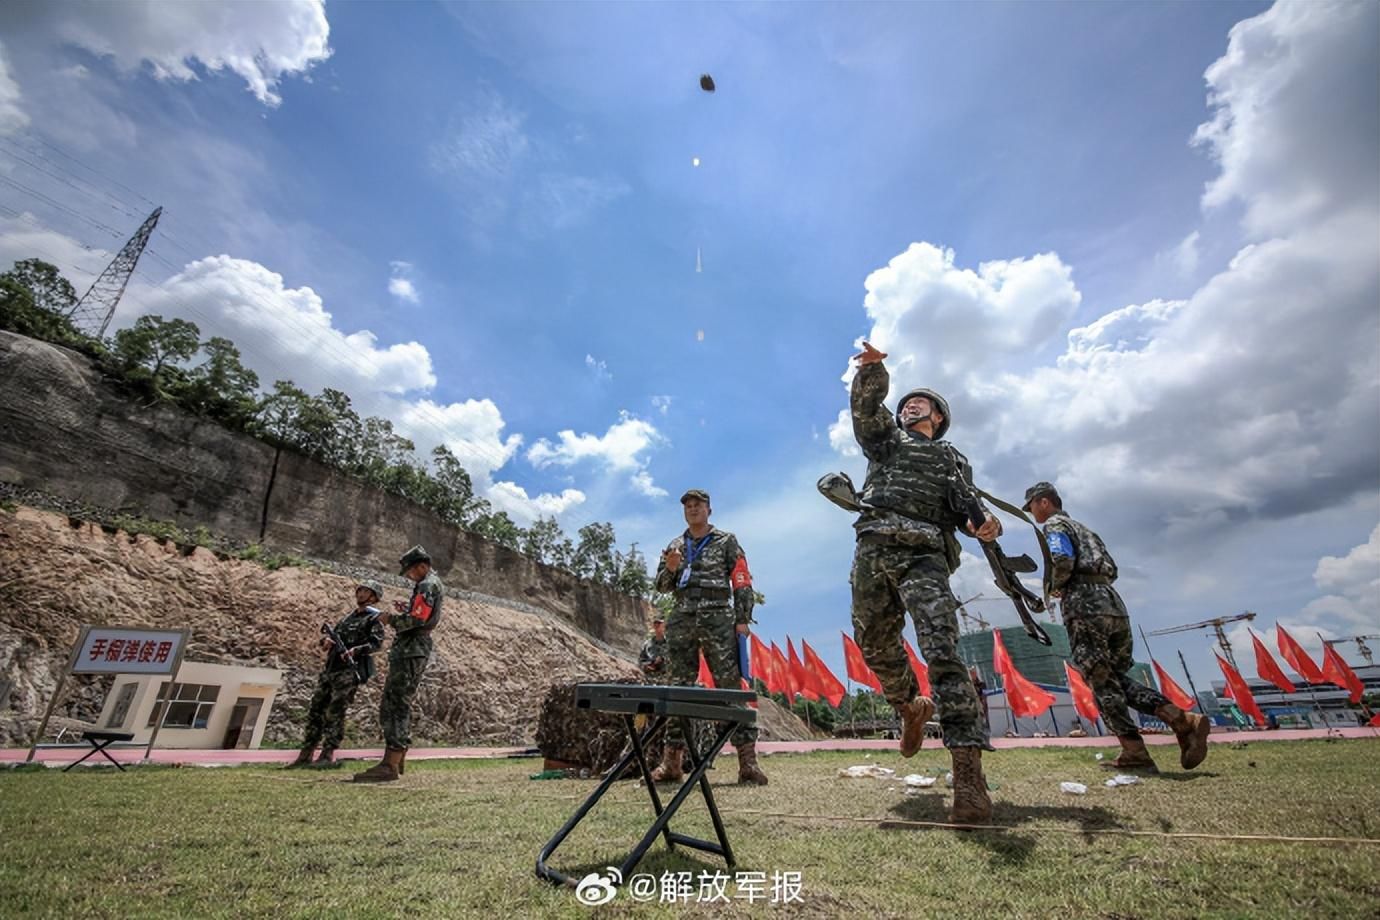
x,y
653,649
906,551
335,688
407,659
715,598
1082,573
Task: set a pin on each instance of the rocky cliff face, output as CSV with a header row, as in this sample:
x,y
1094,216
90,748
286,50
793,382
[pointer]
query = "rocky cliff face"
x,y
495,658
66,432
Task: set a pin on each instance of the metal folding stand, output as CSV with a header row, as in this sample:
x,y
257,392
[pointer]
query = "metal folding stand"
x,y
664,703
99,741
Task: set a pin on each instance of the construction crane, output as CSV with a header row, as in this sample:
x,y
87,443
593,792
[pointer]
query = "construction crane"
x,y
970,618
1215,625
1360,645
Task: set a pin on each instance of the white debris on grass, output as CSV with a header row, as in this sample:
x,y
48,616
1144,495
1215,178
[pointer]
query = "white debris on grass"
x,y
1073,788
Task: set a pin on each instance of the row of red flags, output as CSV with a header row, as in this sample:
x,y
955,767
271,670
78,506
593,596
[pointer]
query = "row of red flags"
x,y
807,675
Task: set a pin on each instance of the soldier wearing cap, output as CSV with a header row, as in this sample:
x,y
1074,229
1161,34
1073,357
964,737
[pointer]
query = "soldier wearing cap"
x,y
652,658
905,553
407,660
706,570
1082,573
361,633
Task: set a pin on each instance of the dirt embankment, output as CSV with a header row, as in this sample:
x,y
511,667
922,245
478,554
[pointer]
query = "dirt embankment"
x,y
494,659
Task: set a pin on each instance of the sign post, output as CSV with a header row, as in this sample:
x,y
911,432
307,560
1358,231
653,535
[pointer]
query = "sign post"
x,y
113,650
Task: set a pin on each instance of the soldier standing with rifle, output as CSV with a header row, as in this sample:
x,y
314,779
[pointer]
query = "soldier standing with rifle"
x,y
707,571
407,661
905,553
348,665
1082,573
652,658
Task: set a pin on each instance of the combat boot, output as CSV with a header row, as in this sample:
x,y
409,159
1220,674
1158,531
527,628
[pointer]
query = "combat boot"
x,y
914,715
670,770
748,770
402,761
972,805
1192,731
385,771
303,758
326,759
1133,756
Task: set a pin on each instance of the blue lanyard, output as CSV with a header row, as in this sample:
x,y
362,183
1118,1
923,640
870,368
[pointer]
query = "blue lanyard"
x,y
692,552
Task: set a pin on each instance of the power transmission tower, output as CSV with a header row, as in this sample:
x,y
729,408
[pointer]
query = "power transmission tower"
x,y
97,305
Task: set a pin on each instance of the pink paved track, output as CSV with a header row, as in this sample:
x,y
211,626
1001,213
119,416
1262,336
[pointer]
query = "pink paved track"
x,y
64,756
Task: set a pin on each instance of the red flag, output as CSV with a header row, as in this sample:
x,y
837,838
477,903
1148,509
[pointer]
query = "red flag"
x,y
800,674
857,665
829,685
1336,671
705,678
784,679
1241,693
1082,694
1024,698
762,664
1172,691
1374,721
922,673
1267,669
1298,659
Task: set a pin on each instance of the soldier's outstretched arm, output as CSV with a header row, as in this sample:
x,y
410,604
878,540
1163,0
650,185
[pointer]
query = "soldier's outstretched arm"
x,y
874,427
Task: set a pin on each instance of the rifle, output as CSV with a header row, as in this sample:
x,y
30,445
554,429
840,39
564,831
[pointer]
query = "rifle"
x,y
346,653
1005,569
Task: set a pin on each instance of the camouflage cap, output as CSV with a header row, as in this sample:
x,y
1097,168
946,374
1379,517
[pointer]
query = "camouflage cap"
x,y
1039,490
693,494
371,585
410,558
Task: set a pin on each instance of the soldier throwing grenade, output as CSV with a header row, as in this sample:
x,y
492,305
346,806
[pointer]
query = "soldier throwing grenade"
x,y
905,553
361,633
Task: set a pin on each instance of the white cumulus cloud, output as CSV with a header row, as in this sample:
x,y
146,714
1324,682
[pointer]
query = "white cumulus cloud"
x,y
13,118
260,42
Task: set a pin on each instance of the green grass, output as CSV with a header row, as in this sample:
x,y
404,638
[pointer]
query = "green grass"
x,y
460,838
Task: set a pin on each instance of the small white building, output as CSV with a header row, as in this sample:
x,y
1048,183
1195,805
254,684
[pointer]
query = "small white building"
x,y
211,705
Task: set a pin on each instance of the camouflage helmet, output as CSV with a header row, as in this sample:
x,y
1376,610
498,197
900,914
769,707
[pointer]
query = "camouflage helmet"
x,y
370,584
939,403
410,558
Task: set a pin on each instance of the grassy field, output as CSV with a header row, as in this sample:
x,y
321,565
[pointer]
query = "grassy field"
x,y
461,838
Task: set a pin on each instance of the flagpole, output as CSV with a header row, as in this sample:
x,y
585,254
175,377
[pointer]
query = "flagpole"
x,y
1183,664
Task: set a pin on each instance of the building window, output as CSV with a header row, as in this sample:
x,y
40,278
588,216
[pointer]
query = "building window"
x,y
121,710
189,705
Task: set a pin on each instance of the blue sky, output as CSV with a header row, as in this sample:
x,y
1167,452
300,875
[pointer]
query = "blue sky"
x,y
482,220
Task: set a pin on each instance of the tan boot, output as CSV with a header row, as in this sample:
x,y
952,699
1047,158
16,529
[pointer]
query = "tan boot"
x,y
971,802
1133,756
385,771
670,770
1192,731
748,771
402,762
303,758
914,715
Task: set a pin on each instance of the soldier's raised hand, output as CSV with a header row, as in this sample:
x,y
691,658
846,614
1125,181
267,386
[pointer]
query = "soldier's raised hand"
x,y
869,355
673,560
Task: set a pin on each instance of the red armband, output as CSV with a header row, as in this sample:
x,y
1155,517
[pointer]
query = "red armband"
x,y
741,577
420,608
